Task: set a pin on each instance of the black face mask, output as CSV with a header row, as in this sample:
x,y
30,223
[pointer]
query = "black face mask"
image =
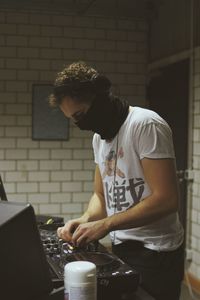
x,y
105,117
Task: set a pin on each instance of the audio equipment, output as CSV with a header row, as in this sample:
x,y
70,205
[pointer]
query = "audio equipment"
x,y
115,279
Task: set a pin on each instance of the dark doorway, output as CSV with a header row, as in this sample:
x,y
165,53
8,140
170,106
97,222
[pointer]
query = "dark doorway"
x,y
168,94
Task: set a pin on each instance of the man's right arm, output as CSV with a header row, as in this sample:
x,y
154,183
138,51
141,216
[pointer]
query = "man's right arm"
x,y
96,210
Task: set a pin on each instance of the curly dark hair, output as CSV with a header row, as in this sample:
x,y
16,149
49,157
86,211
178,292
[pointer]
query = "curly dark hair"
x,y
68,83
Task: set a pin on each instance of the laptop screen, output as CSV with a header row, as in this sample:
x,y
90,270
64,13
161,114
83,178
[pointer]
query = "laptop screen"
x,y
24,272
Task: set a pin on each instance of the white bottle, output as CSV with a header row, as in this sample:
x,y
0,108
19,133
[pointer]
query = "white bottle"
x,y
80,281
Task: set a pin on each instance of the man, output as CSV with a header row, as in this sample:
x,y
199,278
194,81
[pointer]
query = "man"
x,y
136,197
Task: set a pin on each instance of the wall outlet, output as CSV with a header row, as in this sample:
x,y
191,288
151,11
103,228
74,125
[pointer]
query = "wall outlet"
x,y
189,254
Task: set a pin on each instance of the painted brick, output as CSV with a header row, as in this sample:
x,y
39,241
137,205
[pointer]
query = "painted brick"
x,y
18,198
40,19
39,42
61,176
2,43
15,17
82,175
2,131
71,186
28,75
50,165
88,186
51,31
10,188
73,143
16,176
83,154
61,42
71,208
8,29
24,120
83,22
84,44
25,52
16,154
7,165
7,120
38,176
50,145
49,187
197,93
95,33
26,143
16,131
16,41
24,97
60,198
27,187
50,53
74,54
7,75
58,20
95,55
39,64
61,154
8,52
72,164
105,23
82,197
39,154
16,86
87,143
49,208
38,198
28,30
16,63
2,154
47,76
7,143
7,97
27,165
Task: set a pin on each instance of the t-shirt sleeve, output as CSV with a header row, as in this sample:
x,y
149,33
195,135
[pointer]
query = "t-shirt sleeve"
x,y
155,141
95,147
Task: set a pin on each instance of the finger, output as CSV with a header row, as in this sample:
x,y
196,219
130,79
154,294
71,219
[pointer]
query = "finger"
x,y
59,230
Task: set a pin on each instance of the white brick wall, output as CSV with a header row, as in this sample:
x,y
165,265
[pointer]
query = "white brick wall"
x,y
57,176
195,210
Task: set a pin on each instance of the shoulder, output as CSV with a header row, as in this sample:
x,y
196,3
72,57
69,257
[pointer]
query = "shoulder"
x,y
143,118
96,140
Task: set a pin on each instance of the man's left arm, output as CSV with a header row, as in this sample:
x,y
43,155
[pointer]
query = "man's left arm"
x,y
160,174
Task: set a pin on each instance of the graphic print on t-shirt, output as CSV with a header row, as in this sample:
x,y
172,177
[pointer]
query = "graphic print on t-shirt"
x,y
124,192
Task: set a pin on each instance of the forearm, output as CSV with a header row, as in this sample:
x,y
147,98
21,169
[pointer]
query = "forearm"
x,y
96,209
146,212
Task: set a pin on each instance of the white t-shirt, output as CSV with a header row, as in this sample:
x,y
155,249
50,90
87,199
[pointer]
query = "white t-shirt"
x,y
143,134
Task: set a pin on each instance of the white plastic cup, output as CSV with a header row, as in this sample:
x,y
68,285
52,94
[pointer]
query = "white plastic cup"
x,y
80,281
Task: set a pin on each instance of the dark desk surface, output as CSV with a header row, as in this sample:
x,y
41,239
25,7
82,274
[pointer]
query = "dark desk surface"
x,y
142,295
58,294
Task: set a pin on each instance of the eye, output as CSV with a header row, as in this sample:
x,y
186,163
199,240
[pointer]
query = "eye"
x,y
78,115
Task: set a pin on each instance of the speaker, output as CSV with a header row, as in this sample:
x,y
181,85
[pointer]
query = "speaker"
x,y
24,272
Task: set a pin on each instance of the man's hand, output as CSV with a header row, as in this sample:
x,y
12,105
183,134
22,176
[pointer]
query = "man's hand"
x,y
66,232
87,232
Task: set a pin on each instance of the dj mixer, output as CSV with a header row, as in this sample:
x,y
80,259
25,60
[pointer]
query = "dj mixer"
x,y
115,279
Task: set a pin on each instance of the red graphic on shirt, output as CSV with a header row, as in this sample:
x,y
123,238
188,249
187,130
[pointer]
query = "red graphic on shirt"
x,y
110,164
